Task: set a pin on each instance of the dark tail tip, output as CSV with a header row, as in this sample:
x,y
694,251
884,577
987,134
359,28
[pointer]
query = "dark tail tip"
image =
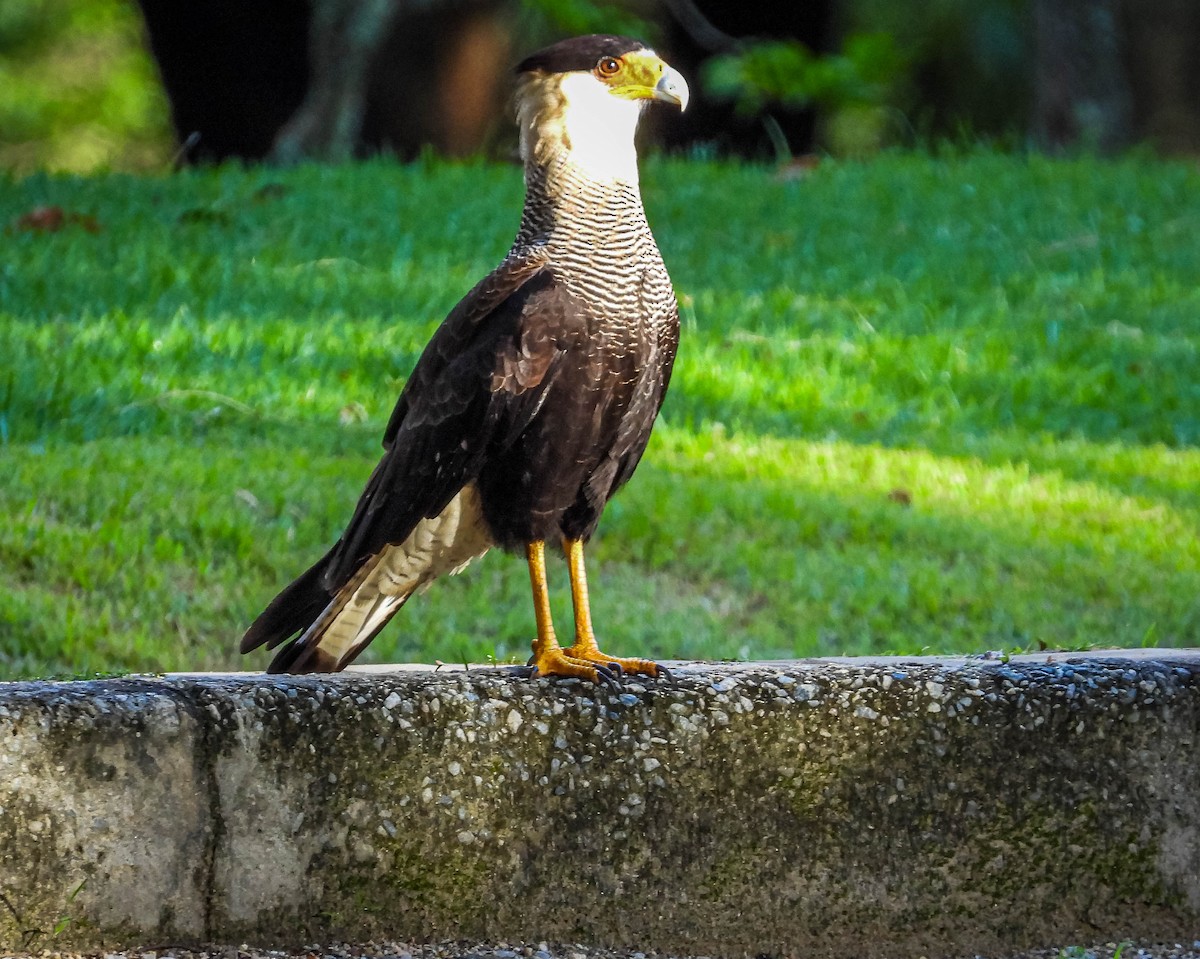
x,y
292,611
298,657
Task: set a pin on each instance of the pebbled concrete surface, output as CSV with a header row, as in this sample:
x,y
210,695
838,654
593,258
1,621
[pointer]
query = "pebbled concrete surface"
x,y
833,807
503,950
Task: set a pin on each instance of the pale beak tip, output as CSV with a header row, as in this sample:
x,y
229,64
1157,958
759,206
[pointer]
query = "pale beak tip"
x,y
672,88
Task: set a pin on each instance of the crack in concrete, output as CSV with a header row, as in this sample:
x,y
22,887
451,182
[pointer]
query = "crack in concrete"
x,y
209,738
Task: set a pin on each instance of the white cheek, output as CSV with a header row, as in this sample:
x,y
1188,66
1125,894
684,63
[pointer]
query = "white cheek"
x,y
599,128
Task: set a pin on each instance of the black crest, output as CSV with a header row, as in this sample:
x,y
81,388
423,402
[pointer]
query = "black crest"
x,y
578,53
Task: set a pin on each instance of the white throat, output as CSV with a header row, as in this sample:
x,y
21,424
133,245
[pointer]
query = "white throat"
x,y
575,121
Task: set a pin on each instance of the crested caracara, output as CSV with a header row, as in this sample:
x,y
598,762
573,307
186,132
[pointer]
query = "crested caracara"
x,y
534,400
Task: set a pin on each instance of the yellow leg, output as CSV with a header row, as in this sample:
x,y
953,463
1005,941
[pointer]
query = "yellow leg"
x,y
549,659
585,647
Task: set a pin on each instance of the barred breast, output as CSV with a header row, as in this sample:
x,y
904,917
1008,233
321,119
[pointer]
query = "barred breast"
x,y
599,242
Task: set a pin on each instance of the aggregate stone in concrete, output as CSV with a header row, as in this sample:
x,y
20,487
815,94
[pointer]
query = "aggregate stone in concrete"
x,y
104,810
839,808
543,950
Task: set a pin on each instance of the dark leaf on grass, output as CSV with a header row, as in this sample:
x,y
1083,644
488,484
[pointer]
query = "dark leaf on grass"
x,y
44,219
205,214
51,219
901,496
270,191
797,168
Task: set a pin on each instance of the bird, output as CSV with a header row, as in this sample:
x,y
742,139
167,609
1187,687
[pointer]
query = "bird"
x,y
534,400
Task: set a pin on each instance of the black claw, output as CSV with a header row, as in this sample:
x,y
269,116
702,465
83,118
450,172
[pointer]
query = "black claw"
x,y
615,668
528,671
605,676
663,673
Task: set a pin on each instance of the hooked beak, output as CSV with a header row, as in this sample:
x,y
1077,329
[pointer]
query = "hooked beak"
x,y
672,88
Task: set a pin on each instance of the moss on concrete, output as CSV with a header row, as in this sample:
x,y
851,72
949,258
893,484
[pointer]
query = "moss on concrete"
x,y
87,770
831,807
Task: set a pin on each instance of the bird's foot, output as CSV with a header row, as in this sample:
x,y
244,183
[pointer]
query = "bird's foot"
x,y
588,653
560,662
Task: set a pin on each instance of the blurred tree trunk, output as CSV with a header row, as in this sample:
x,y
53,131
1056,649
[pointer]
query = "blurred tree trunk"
x,y
1082,91
1163,58
344,38
329,79
441,80
285,80
398,74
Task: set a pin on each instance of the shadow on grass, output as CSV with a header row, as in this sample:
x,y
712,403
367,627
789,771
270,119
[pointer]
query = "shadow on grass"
x,y
154,554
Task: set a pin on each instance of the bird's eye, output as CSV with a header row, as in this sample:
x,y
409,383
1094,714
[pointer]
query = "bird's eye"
x,y
607,67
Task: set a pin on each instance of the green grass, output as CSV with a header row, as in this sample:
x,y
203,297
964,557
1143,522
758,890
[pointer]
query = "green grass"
x,y
921,404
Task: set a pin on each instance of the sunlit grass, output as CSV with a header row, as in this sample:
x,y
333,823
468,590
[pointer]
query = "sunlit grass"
x,y
921,404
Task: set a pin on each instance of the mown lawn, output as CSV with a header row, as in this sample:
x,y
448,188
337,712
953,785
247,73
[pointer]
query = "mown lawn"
x,y
921,404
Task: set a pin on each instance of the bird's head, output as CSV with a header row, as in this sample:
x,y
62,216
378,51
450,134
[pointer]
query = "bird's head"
x,y
579,101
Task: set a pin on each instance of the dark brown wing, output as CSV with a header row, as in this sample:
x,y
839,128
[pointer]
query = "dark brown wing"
x,y
479,383
456,333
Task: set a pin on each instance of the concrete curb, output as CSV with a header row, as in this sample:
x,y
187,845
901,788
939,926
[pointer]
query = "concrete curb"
x,y
833,807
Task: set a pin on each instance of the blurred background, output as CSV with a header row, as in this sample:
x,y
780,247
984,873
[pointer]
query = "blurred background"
x,y
141,86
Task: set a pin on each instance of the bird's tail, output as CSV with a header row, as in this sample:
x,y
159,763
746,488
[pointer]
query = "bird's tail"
x,y
292,611
333,630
